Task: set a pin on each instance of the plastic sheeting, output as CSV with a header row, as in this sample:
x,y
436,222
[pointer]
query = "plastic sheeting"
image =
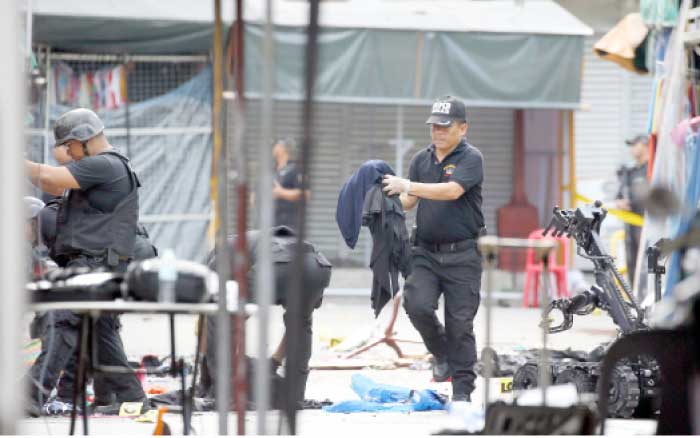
x,y
376,66
172,158
378,397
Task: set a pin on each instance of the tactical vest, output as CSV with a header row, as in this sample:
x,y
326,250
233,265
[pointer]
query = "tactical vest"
x,y
82,229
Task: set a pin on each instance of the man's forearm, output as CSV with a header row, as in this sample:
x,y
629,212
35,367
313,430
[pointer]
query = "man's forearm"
x,y
38,175
408,201
437,191
50,179
290,194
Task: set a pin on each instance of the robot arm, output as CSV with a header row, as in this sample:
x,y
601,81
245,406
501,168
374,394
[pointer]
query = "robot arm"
x,y
581,304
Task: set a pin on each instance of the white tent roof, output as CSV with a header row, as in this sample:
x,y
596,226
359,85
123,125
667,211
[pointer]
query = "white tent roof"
x,y
499,16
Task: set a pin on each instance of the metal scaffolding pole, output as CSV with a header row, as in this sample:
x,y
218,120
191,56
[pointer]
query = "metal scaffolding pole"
x,y
298,282
241,263
12,270
264,283
220,200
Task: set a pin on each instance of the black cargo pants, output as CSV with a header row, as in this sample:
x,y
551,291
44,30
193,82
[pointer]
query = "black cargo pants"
x,y
59,354
457,275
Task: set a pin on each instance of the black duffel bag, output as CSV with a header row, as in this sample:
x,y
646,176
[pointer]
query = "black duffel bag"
x,y
193,285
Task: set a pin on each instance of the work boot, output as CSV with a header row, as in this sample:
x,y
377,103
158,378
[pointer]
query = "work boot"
x,y
441,371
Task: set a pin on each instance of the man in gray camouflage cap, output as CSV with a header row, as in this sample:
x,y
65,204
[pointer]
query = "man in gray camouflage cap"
x,y
96,226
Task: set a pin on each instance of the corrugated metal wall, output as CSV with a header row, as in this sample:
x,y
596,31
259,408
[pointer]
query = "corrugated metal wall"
x,y
346,135
618,105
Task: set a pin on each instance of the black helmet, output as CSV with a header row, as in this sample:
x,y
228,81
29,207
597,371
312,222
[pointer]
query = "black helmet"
x,y
79,124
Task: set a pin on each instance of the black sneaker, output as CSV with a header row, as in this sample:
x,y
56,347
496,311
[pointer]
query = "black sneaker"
x,y
441,371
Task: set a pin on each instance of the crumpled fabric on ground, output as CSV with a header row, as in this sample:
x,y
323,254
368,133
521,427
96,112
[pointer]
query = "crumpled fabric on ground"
x,y
377,397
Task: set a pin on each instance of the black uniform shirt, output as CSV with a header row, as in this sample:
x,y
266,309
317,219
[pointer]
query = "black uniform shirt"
x,y
286,211
450,221
104,178
632,179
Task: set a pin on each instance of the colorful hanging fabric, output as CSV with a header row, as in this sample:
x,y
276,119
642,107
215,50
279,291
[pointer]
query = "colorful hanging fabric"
x,y
659,13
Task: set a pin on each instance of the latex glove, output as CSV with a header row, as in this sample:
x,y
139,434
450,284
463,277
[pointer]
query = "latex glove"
x,y
393,185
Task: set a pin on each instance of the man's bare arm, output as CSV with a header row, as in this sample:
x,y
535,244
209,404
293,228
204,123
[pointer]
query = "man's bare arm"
x,y
448,191
51,179
408,201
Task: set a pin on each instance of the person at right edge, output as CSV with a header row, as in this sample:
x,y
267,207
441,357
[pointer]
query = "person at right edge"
x,y
445,182
633,178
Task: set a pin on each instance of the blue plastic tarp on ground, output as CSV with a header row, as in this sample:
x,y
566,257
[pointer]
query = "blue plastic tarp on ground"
x,y
377,397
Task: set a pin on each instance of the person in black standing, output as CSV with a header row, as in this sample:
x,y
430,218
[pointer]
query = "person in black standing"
x,y
286,187
96,226
445,182
630,196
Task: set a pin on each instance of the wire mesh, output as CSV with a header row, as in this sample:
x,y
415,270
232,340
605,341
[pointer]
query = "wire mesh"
x,y
155,112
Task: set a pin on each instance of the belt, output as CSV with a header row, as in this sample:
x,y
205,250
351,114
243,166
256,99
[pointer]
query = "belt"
x,y
461,245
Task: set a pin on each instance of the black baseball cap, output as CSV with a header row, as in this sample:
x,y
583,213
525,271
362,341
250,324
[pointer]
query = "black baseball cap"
x,y
445,110
640,138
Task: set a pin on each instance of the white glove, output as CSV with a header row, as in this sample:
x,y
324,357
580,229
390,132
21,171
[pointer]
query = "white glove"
x,y
393,185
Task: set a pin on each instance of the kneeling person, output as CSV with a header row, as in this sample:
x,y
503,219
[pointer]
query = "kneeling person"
x,y
317,271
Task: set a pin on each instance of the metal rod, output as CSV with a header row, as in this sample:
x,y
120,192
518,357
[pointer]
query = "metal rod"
x,y
47,102
241,263
220,202
399,147
490,261
12,271
544,296
560,158
186,412
28,28
201,327
298,283
265,285
572,160
173,362
140,132
482,103
135,58
127,110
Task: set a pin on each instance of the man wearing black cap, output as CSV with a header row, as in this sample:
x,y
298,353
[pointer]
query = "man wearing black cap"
x,y
445,181
633,178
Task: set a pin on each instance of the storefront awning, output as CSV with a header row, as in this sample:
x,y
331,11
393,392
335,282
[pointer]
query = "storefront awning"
x,y
495,53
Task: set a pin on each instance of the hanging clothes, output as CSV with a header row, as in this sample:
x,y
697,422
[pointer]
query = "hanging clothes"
x,y
691,198
98,90
659,13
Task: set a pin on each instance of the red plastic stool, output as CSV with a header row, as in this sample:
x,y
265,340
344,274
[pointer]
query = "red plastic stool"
x,y
533,269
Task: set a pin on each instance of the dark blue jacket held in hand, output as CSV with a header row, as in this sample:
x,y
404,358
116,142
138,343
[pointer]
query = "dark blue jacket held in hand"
x,y
362,202
348,213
